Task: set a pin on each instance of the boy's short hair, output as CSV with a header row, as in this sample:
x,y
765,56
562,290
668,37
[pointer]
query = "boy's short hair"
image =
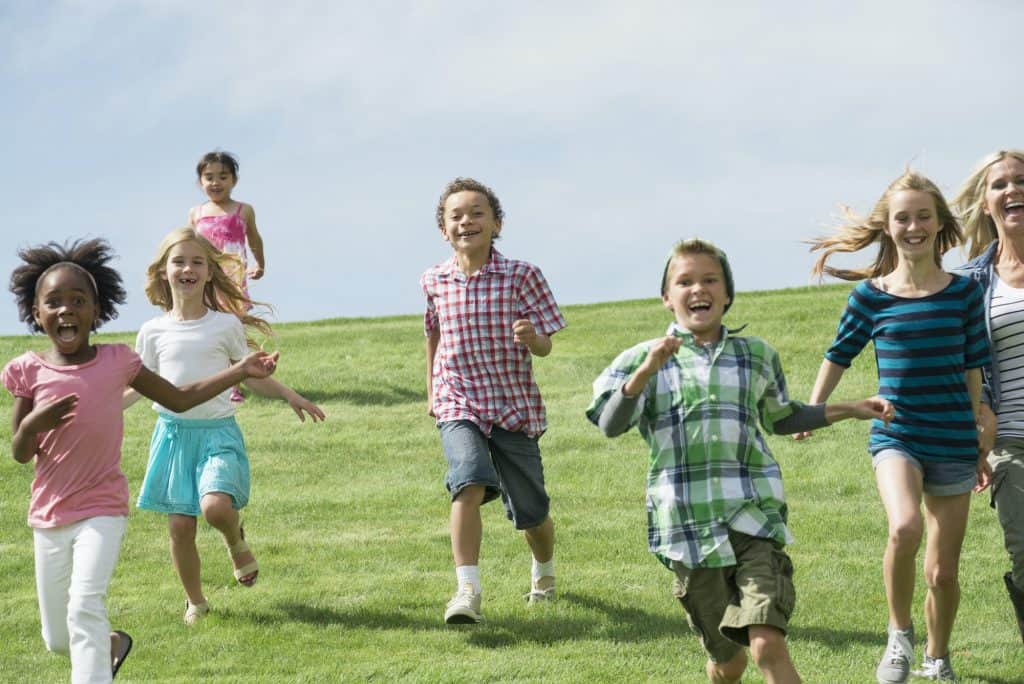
x,y
699,246
461,184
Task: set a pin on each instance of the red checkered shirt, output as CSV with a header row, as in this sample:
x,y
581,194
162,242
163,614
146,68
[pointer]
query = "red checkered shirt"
x,y
479,373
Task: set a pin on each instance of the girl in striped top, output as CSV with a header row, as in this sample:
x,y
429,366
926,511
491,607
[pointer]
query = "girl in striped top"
x,y
928,330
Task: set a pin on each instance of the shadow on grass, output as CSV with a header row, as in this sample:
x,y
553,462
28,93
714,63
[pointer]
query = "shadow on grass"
x,y
383,396
600,619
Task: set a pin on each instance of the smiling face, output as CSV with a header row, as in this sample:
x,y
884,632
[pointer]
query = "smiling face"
x,y
187,271
65,309
217,181
469,223
696,293
1004,195
913,223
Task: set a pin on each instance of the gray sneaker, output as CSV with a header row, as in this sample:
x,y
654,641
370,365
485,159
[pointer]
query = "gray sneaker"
x,y
936,669
894,668
464,608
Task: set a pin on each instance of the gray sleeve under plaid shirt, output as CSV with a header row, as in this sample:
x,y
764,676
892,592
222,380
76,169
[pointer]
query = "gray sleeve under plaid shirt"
x,y
710,468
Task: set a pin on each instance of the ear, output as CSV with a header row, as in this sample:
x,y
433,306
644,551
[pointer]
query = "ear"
x,y
35,316
444,235
984,209
667,302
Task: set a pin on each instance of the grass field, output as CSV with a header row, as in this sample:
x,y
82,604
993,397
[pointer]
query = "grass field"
x,y
349,522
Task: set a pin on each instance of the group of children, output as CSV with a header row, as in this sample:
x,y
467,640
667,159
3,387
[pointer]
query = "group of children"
x,y
702,397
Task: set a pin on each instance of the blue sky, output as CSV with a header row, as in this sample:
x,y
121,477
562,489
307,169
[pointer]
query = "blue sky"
x,y
608,129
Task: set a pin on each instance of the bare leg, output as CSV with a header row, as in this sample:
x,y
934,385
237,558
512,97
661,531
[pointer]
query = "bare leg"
x,y
947,523
466,525
185,555
728,672
768,648
899,486
541,540
218,511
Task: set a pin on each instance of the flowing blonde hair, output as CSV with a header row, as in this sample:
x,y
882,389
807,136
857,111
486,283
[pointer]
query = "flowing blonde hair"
x,y
858,232
979,228
221,292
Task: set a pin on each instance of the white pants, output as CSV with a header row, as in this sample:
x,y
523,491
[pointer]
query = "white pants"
x,y
74,565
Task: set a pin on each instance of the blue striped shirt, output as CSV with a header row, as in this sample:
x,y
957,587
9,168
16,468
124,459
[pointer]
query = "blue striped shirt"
x,y
923,346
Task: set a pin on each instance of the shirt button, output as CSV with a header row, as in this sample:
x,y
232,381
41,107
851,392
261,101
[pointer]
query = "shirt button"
x,y
713,397
714,438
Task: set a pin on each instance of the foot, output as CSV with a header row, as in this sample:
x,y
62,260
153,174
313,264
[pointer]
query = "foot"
x,y
120,647
194,612
894,667
464,608
543,589
936,669
246,569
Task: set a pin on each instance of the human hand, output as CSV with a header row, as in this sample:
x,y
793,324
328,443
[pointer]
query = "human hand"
x,y
255,273
800,436
874,407
984,475
301,406
523,332
259,364
659,354
48,415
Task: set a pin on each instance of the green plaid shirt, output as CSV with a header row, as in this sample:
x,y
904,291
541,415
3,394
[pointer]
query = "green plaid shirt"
x,y
710,468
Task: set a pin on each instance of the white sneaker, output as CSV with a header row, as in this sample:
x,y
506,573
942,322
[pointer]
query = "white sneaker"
x,y
894,668
464,608
936,669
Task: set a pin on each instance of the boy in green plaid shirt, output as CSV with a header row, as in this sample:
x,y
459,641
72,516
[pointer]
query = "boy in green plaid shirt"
x,y
715,504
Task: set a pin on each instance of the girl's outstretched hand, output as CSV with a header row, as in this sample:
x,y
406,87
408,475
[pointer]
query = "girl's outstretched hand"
x,y
260,364
301,406
984,475
48,415
875,407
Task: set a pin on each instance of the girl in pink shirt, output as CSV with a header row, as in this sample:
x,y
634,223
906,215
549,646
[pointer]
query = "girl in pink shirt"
x,y
67,417
228,224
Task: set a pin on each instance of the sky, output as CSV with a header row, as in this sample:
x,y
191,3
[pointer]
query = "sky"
x,y
608,129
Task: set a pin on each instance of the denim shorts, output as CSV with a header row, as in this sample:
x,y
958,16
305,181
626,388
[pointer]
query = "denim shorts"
x,y
507,464
940,478
191,458
723,603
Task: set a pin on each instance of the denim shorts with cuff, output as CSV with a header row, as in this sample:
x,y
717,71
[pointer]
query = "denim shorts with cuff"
x,y
507,464
940,478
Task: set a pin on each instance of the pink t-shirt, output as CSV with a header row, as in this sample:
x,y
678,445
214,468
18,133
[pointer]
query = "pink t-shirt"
x,y
78,463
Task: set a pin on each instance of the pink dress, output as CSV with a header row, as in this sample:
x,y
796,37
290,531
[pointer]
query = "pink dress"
x,y
227,233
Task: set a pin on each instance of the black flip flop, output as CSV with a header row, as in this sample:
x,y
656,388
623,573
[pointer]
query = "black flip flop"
x,y
124,647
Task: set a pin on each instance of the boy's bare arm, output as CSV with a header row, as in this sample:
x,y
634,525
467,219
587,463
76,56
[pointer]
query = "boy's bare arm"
x,y
433,339
523,332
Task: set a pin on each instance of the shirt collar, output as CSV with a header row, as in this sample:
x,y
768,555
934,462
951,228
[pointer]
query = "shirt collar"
x,y
675,330
497,263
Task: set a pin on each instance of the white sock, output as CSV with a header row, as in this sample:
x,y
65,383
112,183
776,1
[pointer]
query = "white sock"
x,y
468,574
538,570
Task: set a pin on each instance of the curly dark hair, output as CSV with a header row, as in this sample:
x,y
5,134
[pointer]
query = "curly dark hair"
x,y
227,159
91,256
461,185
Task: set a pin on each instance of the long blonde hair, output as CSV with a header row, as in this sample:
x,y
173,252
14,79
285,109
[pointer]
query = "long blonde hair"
x,y
856,233
221,292
979,228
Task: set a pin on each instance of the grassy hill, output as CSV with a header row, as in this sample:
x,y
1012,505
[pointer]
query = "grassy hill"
x,y
349,522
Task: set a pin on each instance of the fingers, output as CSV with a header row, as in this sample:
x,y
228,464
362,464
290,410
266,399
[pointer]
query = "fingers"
x,y
800,436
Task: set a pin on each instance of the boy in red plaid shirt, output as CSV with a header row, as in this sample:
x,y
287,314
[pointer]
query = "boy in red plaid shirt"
x,y
486,317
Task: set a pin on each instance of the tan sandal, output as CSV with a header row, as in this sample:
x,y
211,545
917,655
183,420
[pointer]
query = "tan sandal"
x,y
194,612
247,574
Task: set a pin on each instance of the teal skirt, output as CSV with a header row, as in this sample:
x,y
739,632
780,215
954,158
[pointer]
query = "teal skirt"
x,y
191,458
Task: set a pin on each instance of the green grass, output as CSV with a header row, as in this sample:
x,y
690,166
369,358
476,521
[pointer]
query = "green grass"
x,y
349,522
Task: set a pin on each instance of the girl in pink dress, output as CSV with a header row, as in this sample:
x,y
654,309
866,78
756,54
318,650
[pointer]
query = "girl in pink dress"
x,y
227,223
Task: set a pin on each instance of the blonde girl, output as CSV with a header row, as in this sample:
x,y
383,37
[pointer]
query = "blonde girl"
x,y
927,327
197,462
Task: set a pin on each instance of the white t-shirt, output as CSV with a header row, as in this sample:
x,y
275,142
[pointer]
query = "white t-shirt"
x,y
186,351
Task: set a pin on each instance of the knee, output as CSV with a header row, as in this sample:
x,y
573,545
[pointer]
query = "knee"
x,y
942,575
905,535
470,495
216,508
182,529
768,648
728,672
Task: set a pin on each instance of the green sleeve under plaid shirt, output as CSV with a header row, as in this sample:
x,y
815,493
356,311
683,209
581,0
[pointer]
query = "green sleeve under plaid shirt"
x,y
710,468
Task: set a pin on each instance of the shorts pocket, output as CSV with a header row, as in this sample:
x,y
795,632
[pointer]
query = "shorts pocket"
x,y
786,592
